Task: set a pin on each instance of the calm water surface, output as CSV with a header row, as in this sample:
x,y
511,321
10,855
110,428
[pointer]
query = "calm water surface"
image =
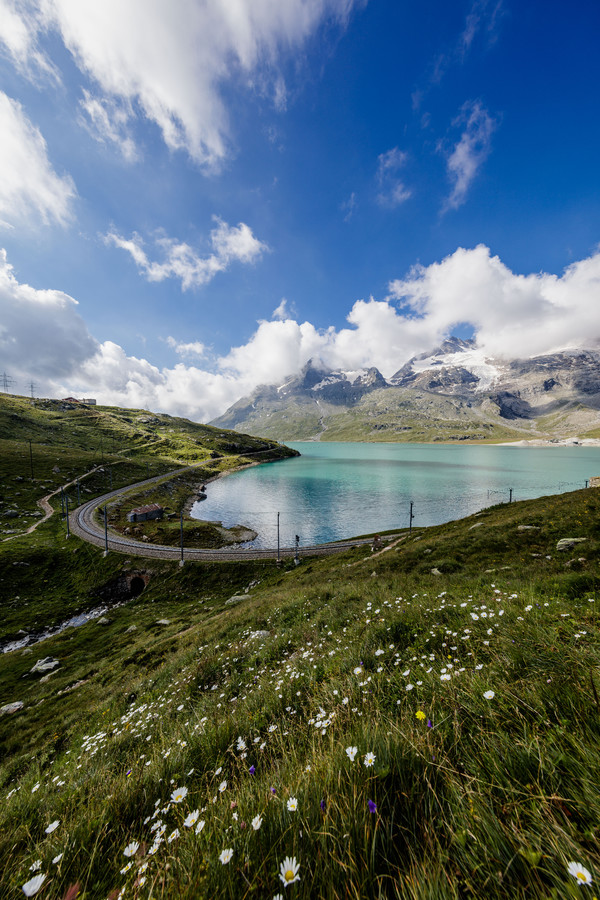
x,y
339,490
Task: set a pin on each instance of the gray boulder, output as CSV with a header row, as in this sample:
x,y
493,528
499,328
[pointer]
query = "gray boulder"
x,y
45,665
11,708
569,543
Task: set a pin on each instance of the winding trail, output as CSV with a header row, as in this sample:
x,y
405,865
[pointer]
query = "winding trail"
x,y
46,506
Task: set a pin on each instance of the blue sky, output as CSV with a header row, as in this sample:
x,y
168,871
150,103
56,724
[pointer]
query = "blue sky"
x,y
196,198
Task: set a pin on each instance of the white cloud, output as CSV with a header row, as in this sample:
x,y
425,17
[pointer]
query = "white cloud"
x,y
349,207
30,189
512,315
285,310
230,243
193,348
483,16
18,33
108,120
470,152
44,338
392,191
41,332
171,62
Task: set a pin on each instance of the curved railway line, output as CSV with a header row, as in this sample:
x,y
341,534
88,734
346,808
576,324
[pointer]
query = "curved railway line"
x,y
83,524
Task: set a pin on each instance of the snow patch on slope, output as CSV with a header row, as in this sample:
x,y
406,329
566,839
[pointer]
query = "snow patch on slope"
x,y
473,360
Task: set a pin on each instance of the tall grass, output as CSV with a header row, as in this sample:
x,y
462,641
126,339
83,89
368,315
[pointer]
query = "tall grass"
x,y
474,795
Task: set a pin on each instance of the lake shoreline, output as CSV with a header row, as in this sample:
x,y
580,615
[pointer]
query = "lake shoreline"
x,y
524,442
336,490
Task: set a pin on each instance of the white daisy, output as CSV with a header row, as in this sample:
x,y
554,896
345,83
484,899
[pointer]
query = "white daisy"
x,y
288,871
579,872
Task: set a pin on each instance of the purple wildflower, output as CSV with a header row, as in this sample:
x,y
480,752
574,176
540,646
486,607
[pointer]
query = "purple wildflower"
x,y
372,807
322,805
252,770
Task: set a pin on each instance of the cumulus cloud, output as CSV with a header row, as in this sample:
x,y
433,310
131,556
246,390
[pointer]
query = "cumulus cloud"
x,y
470,151
230,243
43,337
41,331
30,189
193,348
392,191
512,315
170,63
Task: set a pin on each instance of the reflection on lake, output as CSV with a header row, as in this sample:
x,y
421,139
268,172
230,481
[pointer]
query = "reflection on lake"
x,y
339,490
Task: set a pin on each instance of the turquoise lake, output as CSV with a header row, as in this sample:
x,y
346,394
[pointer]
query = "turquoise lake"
x,y
340,490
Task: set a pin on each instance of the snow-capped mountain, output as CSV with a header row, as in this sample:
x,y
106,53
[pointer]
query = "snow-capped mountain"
x,y
454,392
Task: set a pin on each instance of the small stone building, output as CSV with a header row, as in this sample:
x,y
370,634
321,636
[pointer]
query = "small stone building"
x,y
146,513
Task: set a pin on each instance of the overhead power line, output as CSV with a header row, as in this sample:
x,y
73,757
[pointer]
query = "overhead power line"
x,y
7,381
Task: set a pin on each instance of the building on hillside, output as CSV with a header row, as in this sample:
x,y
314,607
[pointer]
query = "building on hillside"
x,y
89,402
146,513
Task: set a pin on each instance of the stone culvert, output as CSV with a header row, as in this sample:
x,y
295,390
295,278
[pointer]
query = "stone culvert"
x,y
125,587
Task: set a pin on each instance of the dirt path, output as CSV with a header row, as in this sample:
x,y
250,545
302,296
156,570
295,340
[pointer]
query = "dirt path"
x,y
47,507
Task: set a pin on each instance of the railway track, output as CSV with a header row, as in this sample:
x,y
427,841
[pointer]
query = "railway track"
x,y
83,524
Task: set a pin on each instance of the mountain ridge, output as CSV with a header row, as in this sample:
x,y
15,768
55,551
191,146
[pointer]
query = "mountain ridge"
x,y
454,392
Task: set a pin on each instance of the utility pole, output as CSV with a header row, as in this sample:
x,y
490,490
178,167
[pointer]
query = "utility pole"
x,y
7,381
410,517
31,460
32,387
510,490
297,557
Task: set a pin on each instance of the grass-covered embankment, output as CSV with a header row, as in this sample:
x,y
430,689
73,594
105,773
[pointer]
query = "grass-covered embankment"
x,y
398,733
47,444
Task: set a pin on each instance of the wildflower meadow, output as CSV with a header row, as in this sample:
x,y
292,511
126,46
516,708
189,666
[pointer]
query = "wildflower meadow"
x,y
353,727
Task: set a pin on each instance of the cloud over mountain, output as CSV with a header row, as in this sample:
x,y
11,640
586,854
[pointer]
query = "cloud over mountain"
x,y
44,337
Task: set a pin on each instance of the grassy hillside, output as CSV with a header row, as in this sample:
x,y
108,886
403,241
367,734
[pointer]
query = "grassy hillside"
x,y
420,722
45,444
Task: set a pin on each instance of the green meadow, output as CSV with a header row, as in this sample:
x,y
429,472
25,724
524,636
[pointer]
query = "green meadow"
x,y
419,720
